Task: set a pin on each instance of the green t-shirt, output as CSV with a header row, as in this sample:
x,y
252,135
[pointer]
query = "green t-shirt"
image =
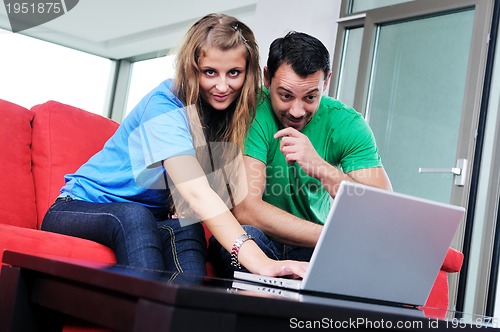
x,y
340,136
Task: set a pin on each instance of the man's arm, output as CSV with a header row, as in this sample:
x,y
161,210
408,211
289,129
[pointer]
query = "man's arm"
x,y
273,221
330,177
297,148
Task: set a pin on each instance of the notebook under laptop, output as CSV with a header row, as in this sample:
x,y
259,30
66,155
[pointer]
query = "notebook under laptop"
x,y
378,245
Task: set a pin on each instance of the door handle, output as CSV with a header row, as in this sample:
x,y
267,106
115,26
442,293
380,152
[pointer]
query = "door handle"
x,y
454,170
459,171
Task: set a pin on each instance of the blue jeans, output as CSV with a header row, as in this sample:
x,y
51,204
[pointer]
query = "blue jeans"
x,y
132,231
221,258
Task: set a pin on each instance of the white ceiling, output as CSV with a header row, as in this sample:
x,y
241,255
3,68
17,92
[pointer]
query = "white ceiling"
x,y
118,29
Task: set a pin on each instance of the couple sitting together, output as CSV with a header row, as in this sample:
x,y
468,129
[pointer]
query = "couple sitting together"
x,y
258,165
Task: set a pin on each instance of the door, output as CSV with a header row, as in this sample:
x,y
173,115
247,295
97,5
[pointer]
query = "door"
x,y
416,94
419,85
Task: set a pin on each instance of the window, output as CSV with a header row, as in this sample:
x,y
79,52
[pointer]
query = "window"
x,y
34,71
146,75
349,66
359,6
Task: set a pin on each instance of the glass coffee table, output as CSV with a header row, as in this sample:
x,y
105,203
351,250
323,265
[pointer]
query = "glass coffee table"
x,y
39,293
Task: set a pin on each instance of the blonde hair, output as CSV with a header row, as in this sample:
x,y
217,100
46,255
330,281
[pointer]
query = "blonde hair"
x,y
223,32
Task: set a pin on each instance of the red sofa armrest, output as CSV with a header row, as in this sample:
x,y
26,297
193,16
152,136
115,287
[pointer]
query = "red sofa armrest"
x,y
453,261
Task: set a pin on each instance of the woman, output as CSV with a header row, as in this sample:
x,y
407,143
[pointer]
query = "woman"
x,y
129,195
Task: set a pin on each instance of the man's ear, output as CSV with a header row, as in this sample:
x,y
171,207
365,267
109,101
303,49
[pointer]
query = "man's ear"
x,y
327,80
267,79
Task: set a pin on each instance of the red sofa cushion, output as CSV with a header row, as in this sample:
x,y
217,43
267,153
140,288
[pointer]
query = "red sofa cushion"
x,y
436,305
41,243
64,138
17,192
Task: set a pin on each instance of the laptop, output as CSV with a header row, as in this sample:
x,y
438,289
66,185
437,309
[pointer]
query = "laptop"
x,y
265,291
378,245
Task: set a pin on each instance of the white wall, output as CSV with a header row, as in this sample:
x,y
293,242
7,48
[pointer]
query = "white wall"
x,y
276,17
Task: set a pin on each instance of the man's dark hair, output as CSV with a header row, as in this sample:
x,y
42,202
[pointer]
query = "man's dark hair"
x,y
304,53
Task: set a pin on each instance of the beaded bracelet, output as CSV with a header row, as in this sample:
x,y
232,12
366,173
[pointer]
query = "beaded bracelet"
x,y
236,248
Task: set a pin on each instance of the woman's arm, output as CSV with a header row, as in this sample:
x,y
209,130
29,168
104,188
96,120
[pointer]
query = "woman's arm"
x,y
192,184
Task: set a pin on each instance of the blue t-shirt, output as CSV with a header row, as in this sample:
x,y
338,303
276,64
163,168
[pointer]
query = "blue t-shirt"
x,y
129,168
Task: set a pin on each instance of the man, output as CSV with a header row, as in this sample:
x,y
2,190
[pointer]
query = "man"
x,y
299,148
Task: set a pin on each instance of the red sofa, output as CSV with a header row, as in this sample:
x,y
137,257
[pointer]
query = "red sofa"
x,y
42,144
